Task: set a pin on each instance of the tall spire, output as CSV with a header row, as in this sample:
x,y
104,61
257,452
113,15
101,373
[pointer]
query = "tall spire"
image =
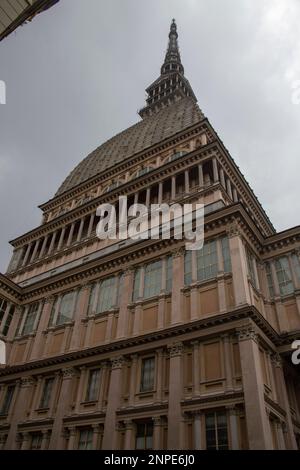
x,y
172,85
172,58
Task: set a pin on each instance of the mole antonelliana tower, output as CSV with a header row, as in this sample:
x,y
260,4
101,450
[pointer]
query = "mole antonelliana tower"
x,y
143,345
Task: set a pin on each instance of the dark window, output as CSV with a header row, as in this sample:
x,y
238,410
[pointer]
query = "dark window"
x,y
36,441
7,400
8,320
46,395
93,385
85,439
144,436
147,376
216,431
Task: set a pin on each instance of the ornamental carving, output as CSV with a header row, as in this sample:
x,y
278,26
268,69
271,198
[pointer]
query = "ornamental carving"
x,y
176,349
246,333
177,253
276,359
233,230
117,362
68,373
27,381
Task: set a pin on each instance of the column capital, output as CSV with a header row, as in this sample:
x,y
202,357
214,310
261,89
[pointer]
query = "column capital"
x,y
176,349
276,359
50,299
128,423
233,230
247,333
177,253
157,421
27,381
68,373
117,362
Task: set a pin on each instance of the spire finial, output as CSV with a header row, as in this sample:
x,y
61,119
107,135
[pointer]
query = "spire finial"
x,y
172,84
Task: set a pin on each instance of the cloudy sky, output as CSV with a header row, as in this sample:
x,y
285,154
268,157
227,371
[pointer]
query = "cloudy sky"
x,y
76,75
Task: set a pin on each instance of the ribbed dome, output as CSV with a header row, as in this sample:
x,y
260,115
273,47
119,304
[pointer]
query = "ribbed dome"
x,y
149,131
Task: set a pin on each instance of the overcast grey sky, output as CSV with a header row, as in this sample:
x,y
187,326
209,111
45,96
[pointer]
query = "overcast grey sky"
x,y
76,75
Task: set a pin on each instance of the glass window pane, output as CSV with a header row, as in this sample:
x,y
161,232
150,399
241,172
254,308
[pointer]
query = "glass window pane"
x,y
147,375
93,385
153,276
106,295
226,254
188,268
207,261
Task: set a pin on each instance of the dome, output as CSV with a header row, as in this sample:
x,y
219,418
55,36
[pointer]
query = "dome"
x,y
147,132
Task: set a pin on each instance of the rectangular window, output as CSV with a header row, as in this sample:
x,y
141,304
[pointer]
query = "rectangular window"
x,y
216,431
144,436
36,441
46,395
3,305
8,320
188,268
226,255
153,277
107,295
136,284
284,276
30,318
207,261
270,279
169,274
53,309
93,385
7,400
85,439
120,288
66,308
147,374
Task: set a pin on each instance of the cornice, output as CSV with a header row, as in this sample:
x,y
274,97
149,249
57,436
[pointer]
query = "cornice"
x,y
119,346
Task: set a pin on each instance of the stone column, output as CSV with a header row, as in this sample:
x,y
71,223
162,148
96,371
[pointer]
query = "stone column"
x,y
72,438
157,424
103,379
280,436
197,430
256,417
80,314
229,190
33,256
239,267
148,196
215,170
129,425
291,443
187,181
222,178
62,409
61,238
175,440
177,285
20,409
43,246
196,368
70,236
80,389
173,188
38,344
91,223
51,247
133,375
26,438
234,428
114,400
228,363
96,434
159,375
160,193
27,254
80,229
201,178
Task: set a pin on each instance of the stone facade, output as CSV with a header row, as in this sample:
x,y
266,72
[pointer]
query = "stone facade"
x,y
114,345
